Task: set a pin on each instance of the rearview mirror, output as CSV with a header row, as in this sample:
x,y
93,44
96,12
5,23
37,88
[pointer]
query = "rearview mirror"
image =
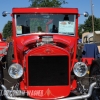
x,y
4,13
86,14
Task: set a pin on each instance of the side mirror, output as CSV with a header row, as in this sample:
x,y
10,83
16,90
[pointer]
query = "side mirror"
x,y
86,14
4,13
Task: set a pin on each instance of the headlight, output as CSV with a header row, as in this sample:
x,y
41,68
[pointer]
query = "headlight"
x,y
80,69
15,71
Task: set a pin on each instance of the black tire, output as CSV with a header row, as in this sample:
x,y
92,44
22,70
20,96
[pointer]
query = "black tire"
x,y
10,55
95,70
1,81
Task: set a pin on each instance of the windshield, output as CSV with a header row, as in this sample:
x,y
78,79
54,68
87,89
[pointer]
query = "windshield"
x,y
45,23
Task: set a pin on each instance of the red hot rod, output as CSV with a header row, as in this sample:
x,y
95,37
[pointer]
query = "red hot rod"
x,y
44,55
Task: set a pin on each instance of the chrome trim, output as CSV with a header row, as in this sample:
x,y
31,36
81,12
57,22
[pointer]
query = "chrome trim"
x,y
82,96
69,98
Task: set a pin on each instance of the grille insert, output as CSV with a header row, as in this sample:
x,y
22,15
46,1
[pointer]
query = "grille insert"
x,y
48,70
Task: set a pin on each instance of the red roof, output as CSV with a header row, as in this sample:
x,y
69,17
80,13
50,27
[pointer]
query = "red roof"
x,y
45,10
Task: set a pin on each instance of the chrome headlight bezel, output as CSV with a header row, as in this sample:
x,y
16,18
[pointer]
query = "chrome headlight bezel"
x,y
15,71
78,68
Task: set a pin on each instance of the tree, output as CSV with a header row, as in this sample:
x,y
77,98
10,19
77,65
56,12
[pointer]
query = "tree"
x,y
7,30
47,3
80,30
88,24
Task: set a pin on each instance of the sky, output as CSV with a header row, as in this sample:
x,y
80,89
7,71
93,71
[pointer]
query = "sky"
x,y
82,5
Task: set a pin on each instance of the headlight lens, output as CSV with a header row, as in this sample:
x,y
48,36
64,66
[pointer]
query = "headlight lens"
x,y
15,71
80,69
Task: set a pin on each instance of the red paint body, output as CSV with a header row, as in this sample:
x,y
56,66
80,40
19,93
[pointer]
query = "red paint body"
x,y
3,47
23,43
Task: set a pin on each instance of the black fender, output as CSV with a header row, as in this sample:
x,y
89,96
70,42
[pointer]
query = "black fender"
x,y
97,62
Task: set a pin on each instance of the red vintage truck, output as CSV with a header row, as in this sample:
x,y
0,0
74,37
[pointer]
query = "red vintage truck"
x,y
43,58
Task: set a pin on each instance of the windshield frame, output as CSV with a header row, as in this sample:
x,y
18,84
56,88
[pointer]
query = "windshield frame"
x,y
75,18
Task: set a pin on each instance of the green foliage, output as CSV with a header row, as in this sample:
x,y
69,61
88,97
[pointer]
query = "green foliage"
x,y
80,28
88,24
7,30
47,3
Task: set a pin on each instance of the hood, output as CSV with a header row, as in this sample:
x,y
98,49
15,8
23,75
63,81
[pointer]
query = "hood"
x,y
25,43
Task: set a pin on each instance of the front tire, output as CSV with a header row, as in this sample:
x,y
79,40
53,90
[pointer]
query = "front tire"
x,y
95,70
1,81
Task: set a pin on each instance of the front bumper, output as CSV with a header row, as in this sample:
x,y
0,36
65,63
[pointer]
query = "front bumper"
x,y
69,98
